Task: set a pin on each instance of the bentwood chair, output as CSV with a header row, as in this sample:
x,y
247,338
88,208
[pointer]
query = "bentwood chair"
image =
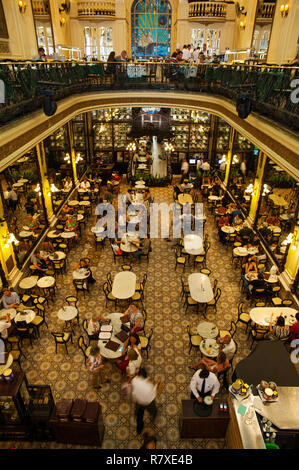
x,y
231,332
126,267
39,319
258,333
181,260
62,338
214,301
194,340
109,296
243,317
84,348
145,342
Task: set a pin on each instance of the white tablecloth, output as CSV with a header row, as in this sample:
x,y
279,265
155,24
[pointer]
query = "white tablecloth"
x,y
262,315
124,285
209,348
193,244
81,273
200,287
116,324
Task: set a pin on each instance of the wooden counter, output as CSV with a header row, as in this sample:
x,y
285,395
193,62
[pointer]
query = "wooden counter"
x,y
194,426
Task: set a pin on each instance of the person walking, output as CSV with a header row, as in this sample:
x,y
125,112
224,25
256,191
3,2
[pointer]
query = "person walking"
x,y
96,367
144,393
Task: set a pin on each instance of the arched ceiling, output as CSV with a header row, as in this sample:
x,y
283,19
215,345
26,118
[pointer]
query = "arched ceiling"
x,y
22,135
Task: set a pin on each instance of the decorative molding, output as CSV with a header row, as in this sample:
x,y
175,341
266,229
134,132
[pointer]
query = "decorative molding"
x,y
23,134
4,46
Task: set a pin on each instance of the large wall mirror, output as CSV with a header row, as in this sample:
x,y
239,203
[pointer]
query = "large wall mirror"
x,y
264,17
278,211
43,25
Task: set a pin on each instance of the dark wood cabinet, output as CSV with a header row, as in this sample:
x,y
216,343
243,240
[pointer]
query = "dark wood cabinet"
x,y
194,426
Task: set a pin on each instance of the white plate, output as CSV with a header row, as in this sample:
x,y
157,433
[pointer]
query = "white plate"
x,y
106,328
104,335
273,400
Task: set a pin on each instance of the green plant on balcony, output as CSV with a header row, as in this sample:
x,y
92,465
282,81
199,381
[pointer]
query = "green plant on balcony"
x,y
281,180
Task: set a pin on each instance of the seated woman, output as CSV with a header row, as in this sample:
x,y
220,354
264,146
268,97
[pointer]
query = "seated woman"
x,y
47,246
278,330
68,184
237,220
83,263
71,224
94,326
224,220
250,267
273,220
143,246
219,365
33,223
131,343
136,318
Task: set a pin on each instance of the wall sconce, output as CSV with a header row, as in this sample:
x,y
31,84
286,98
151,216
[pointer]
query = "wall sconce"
x,y
284,10
22,6
62,20
169,147
131,147
235,159
242,25
78,158
223,159
67,158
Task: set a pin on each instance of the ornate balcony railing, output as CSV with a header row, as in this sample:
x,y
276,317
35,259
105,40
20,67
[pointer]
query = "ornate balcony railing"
x,y
40,8
273,95
266,11
207,10
96,9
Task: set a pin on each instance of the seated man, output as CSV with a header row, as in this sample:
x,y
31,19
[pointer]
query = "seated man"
x,y
143,247
204,383
227,345
41,264
136,319
85,184
10,298
258,283
94,326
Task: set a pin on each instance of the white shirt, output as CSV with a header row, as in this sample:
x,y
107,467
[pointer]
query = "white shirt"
x,y
68,184
85,185
185,167
229,349
205,166
186,54
143,390
93,327
12,195
195,54
223,166
133,366
13,299
4,325
211,385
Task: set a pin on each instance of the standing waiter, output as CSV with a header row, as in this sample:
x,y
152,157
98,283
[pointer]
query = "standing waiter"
x,y
204,383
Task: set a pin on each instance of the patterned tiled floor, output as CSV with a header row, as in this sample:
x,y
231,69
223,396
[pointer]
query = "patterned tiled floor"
x,y
168,358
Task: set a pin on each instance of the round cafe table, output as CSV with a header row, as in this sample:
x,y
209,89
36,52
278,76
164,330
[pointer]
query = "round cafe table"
x,y
262,315
25,234
124,284
73,203
193,244
84,203
116,323
227,229
67,314
28,283
53,234
209,348
7,364
26,315
45,282
274,228
185,199
60,255
80,217
207,329
215,198
5,311
68,234
81,273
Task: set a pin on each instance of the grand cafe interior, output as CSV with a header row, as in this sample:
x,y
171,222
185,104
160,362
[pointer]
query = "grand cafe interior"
x,y
217,129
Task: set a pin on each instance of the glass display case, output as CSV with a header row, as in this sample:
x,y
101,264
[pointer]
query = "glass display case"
x,y
180,115
58,159
14,398
121,131
102,136
222,136
199,137
181,136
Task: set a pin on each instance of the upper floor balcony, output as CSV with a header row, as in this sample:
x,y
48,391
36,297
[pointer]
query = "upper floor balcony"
x,y
94,10
41,9
207,11
269,90
265,12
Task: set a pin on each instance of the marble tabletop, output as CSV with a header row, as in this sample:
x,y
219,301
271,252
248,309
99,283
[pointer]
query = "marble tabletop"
x,y
46,281
124,285
207,329
67,313
200,287
28,282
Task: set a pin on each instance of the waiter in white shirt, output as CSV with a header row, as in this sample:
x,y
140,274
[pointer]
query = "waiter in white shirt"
x,y
85,184
204,383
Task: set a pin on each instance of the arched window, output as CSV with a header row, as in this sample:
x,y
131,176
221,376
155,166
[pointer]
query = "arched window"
x,y
151,28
